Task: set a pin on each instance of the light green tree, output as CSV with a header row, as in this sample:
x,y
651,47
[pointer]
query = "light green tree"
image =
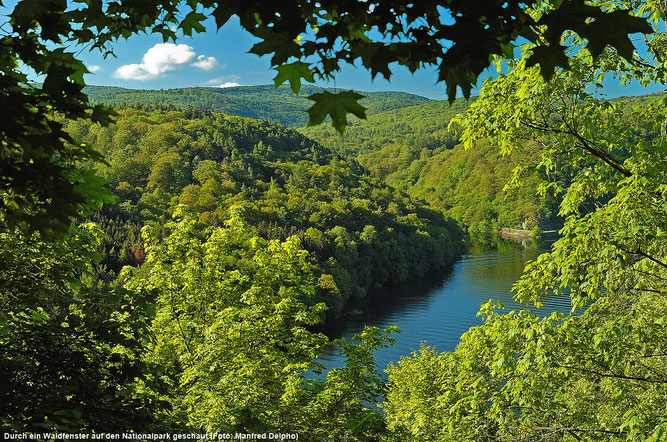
x,y
234,313
598,371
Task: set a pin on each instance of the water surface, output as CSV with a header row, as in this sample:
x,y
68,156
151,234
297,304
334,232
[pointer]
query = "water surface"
x,y
440,307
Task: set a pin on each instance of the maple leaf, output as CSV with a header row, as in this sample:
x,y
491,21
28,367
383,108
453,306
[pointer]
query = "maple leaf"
x,y
293,73
191,22
548,57
337,106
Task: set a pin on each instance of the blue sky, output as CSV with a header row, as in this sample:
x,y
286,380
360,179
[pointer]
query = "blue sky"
x,y
219,57
229,47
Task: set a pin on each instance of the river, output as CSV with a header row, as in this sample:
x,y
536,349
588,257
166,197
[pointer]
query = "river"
x,y
440,307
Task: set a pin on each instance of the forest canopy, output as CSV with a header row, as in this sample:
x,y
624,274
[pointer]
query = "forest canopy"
x,y
272,180
266,102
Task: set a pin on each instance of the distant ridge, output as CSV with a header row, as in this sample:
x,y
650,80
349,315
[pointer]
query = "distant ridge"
x,y
260,102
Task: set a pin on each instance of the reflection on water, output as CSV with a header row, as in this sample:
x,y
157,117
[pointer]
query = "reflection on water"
x,y
439,308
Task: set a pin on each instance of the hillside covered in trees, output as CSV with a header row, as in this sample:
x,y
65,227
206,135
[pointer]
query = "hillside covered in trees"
x,y
405,143
259,102
278,184
415,149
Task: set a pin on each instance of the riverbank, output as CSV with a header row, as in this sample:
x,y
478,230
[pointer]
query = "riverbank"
x,y
518,234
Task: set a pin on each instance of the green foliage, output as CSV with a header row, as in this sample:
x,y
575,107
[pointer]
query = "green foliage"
x,y
232,317
337,106
237,290
233,332
596,373
73,349
293,73
277,183
43,182
459,43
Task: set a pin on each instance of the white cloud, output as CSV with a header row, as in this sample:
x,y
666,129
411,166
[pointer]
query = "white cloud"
x,y
93,68
228,84
157,62
205,63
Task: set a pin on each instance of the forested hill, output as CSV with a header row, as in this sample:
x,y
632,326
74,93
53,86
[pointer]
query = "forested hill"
x,y
270,182
405,143
413,149
259,102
